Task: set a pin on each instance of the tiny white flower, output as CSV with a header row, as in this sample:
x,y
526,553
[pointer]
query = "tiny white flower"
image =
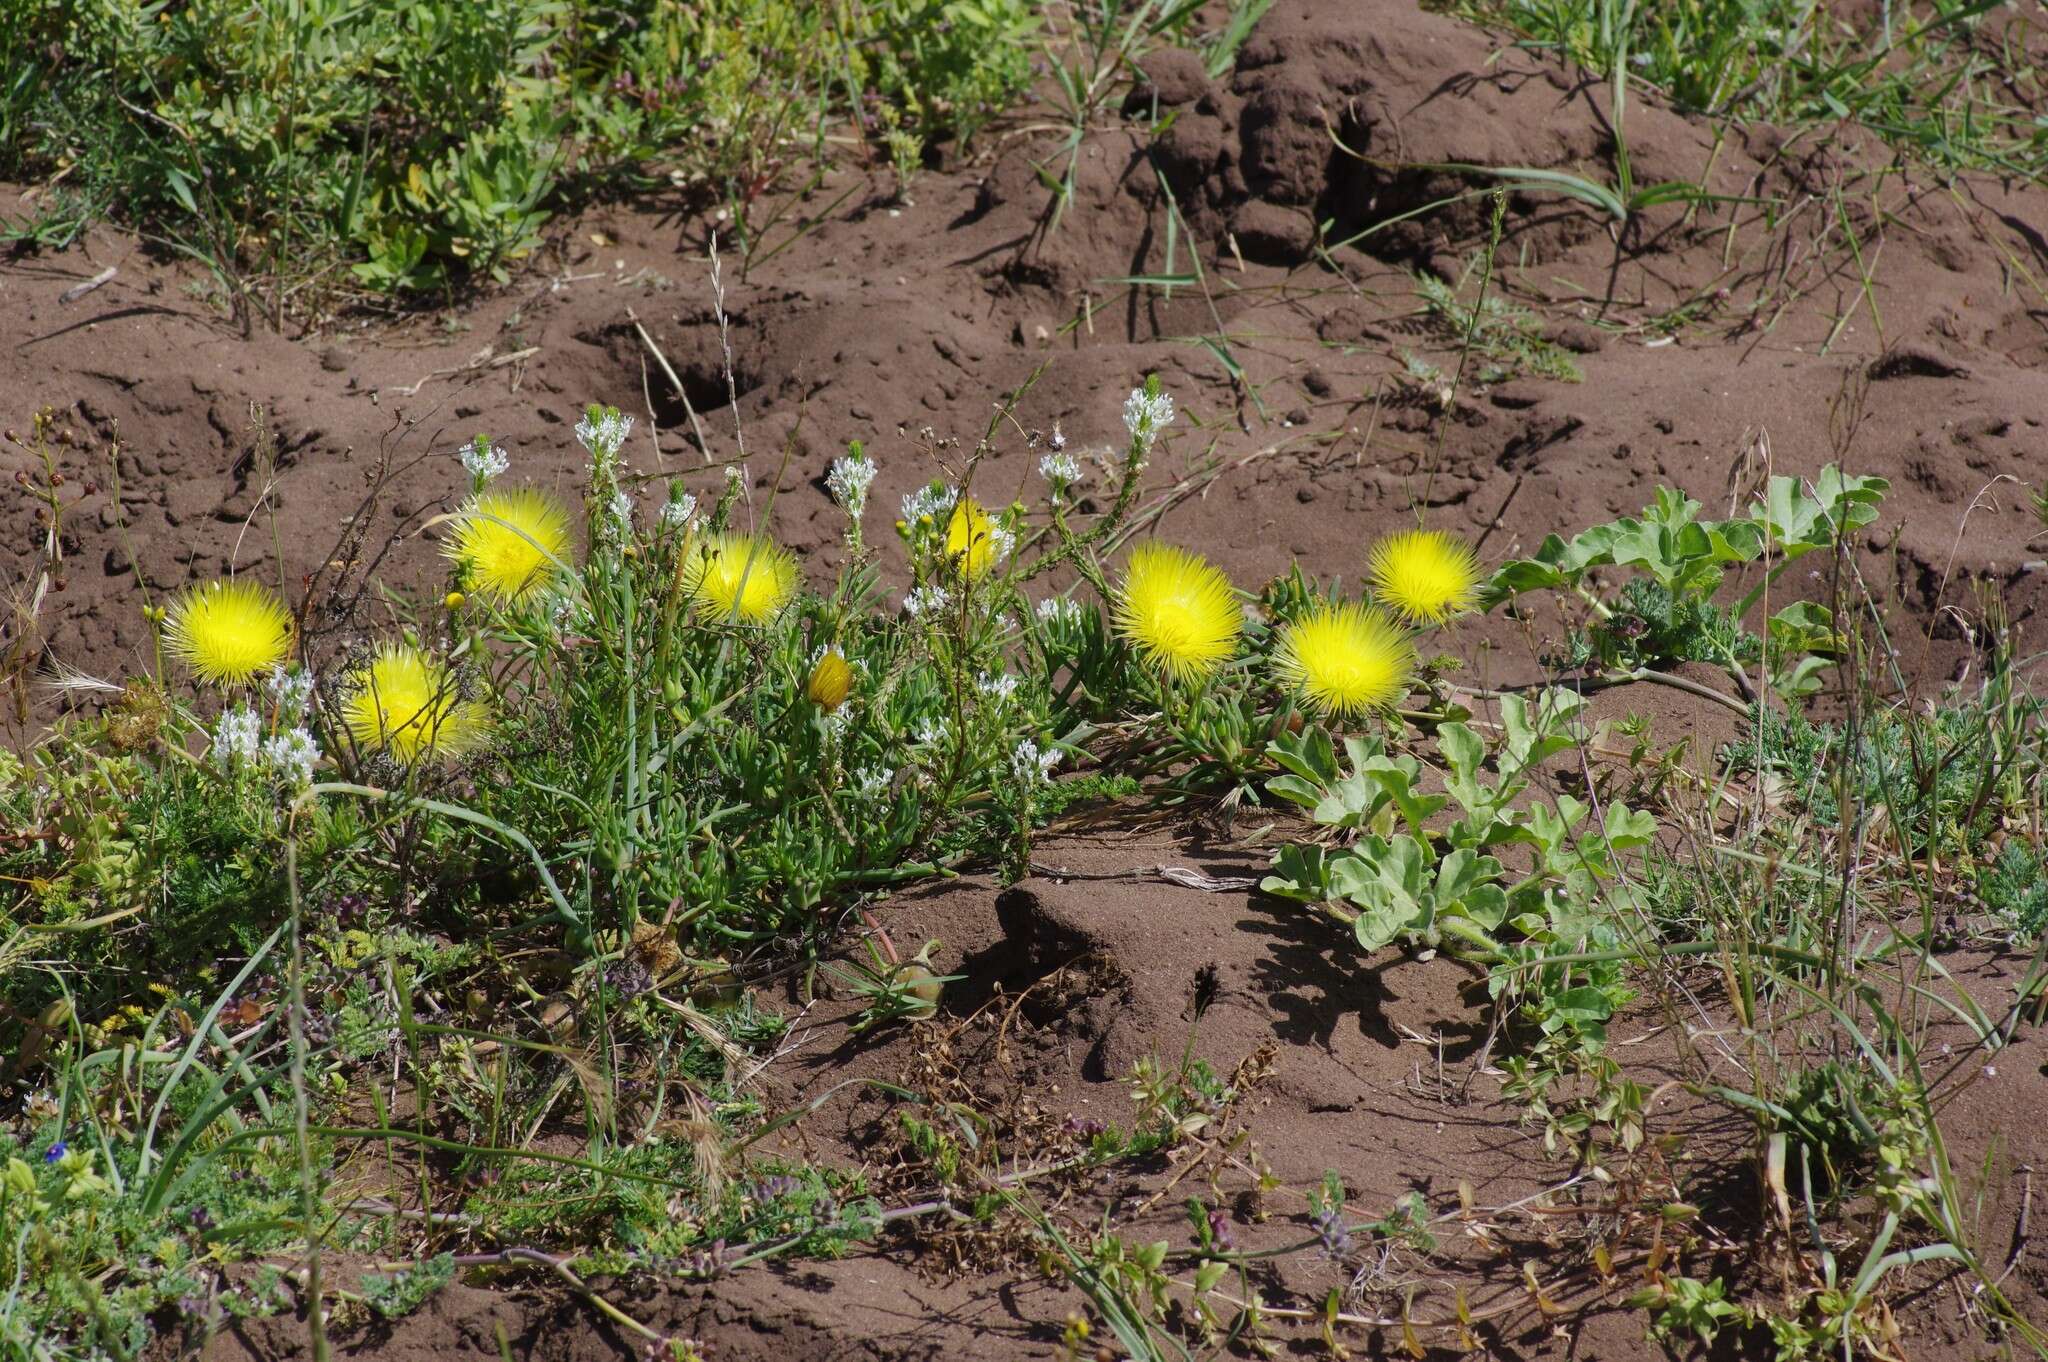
x,y
291,689
1000,542
605,436
619,516
1029,764
238,737
838,721
735,476
483,460
1145,416
997,688
1057,440
848,482
1061,470
928,503
873,781
1058,610
293,755
679,511
931,732
925,600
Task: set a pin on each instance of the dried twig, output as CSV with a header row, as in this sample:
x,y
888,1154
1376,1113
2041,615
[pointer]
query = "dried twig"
x,y
77,291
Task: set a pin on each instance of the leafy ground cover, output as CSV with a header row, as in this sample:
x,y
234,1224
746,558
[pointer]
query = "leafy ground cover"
x,y
306,152
858,817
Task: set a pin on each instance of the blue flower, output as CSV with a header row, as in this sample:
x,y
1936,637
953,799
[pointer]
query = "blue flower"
x,y
56,1152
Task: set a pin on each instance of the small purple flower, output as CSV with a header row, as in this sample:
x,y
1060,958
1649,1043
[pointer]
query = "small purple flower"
x,y
714,1261
1220,1233
1329,1224
56,1152
773,1189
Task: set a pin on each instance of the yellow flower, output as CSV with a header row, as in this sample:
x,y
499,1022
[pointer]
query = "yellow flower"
x,y
407,703
1425,576
228,631
831,680
740,577
1178,611
1346,659
509,543
974,542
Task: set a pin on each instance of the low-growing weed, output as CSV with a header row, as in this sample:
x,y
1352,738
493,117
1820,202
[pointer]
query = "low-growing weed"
x,y
1506,337
1682,563
407,147
1922,76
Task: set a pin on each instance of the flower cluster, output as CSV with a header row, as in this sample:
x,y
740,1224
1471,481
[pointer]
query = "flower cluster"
x,y
291,690
925,600
238,737
848,481
603,432
928,503
618,518
1031,765
1181,616
483,460
679,511
1146,413
239,745
292,754
1061,470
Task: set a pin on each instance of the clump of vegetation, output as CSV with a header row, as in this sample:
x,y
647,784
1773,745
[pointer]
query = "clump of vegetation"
x,y
1926,77
1506,338
402,147
469,900
1675,564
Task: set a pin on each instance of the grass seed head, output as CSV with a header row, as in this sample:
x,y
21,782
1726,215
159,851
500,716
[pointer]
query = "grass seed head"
x,y
228,632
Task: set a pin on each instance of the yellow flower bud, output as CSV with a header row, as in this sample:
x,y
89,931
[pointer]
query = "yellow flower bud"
x,y
453,600
831,680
